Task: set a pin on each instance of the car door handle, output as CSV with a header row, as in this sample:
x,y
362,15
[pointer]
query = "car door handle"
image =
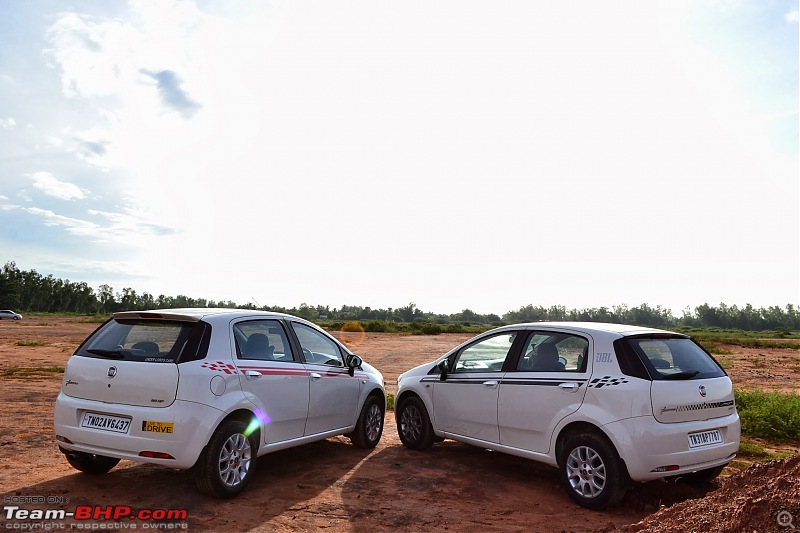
x,y
490,384
252,374
315,376
569,387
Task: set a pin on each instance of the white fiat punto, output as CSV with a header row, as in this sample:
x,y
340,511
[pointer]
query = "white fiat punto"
x,y
211,389
607,404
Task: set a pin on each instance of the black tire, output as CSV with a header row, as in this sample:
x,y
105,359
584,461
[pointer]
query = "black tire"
x,y
228,463
369,427
591,471
414,424
90,463
701,477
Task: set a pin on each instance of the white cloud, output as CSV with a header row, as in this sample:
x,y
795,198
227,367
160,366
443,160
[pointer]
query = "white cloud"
x,y
7,123
792,17
73,225
51,186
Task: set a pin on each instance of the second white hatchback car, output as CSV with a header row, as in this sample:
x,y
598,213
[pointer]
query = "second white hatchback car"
x,y
607,404
211,389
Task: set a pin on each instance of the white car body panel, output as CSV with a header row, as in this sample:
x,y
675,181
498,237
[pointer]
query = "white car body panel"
x,y
468,407
134,383
192,424
521,422
332,390
279,391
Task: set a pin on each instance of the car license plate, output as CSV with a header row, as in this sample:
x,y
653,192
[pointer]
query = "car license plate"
x,y
705,438
117,424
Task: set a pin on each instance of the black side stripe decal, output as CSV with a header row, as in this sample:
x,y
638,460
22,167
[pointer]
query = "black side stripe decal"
x,y
551,382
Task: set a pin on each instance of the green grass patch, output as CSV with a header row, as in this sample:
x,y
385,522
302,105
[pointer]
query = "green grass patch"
x,y
752,339
725,363
31,372
753,450
32,343
406,328
389,401
92,319
769,415
716,349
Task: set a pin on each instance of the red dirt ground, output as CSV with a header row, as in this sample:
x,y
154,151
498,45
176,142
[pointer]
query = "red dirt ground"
x,y
334,486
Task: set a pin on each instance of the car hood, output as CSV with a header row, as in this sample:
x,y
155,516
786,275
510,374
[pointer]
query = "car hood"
x,y
369,369
420,370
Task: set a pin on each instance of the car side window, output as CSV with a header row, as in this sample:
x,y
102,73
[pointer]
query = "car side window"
x,y
553,352
318,348
486,355
263,340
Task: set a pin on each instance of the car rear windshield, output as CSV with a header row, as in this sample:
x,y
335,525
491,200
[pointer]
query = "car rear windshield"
x,y
150,341
674,358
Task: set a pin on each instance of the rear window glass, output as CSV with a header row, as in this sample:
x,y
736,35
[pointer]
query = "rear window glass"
x,y
263,340
675,358
138,340
554,352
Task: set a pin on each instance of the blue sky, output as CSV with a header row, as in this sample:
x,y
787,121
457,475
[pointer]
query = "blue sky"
x,y
468,154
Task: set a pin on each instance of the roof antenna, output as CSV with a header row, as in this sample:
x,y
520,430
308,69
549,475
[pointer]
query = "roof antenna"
x,y
257,304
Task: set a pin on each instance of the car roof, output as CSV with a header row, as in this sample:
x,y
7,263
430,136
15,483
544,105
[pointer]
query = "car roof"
x,y
197,313
589,327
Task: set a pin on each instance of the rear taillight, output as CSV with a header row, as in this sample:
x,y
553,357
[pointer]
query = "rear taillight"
x,y
156,455
668,468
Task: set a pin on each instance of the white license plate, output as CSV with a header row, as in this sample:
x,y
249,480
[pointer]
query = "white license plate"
x,y
117,424
705,438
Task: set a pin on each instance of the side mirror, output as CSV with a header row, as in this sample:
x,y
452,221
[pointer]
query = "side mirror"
x,y
444,368
353,362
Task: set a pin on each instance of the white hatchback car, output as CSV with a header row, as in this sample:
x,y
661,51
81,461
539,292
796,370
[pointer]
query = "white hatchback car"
x,y
605,403
8,313
211,389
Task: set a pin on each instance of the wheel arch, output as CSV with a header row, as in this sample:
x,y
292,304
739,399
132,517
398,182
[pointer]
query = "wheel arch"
x,y
401,396
376,392
242,415
578,427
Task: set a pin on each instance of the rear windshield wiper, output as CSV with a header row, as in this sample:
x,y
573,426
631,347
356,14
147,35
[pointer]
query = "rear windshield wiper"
x,y
681,375
111,354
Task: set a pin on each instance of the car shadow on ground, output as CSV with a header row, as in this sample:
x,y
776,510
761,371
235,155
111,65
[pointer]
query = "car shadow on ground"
x,y
333,484
462,487
283,481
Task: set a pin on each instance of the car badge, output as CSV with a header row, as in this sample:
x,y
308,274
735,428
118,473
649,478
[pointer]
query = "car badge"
x,y
702,391
112,371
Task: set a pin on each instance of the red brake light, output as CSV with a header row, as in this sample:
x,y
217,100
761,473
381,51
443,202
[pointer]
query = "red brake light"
x,y
156,455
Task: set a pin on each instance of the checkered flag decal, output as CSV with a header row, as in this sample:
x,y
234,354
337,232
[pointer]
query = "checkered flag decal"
x,y
220,366
606,381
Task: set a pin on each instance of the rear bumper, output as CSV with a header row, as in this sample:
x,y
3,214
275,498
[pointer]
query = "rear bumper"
x,y
192,427
647,445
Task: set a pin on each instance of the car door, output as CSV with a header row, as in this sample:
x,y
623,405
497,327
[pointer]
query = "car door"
x,y
546,383
272,377
465,403
333,393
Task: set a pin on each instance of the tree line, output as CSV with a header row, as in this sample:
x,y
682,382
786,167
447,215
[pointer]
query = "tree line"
x,y
30,291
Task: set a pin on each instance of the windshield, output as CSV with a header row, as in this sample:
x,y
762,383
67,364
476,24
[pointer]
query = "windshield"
x,y
675,358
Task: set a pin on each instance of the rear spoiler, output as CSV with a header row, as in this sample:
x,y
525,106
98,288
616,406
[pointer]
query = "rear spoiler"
x,y
155,316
